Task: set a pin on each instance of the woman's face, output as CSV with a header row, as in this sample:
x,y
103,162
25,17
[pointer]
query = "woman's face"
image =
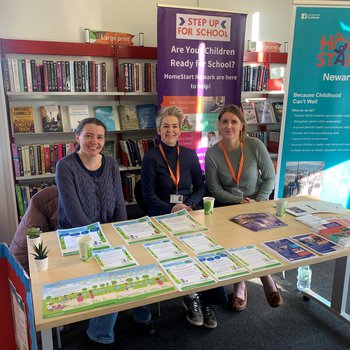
x,y
230,127
91,140
169,130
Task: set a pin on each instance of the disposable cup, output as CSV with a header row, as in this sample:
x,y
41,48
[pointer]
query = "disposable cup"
x,y
208,203
281,206
85,247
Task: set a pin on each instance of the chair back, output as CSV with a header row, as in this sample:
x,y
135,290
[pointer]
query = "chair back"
x,y
42,213
139,197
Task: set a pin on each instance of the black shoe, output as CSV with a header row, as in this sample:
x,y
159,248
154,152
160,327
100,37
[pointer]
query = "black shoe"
x,y
209,316
146,328
94,345
194,312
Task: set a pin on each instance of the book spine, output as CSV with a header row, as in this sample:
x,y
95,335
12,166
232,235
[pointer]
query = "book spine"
x,y
17,85
34,75
46,76
15,159
32,160
59,77
38,155
5,72
104,77
20,160
22,75
19,198
29,76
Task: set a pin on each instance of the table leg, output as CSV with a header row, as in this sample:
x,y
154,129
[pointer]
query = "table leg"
x,y
46,339
337,305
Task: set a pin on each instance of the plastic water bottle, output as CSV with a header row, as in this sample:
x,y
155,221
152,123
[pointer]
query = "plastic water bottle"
x,y
304,278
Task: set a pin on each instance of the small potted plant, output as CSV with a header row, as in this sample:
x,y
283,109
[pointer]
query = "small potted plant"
x,y
33,237
40,253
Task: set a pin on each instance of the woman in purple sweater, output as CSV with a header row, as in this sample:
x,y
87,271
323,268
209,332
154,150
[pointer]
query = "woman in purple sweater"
x,y
90,190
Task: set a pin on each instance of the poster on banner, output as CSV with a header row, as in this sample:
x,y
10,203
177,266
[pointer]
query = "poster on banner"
x,y
314,152
200,66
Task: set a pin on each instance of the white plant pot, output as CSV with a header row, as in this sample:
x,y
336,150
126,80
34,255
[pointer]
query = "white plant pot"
x,y
42,265
31,242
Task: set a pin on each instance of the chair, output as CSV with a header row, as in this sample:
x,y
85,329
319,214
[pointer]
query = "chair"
x,y
139,197
42,213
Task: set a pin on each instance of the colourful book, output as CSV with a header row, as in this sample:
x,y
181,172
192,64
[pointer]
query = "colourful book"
x,y
22,119
147,115
76,114
105,115
51,118
128,117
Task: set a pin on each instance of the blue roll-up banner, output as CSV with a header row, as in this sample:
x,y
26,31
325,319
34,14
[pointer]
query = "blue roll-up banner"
x,y
315,149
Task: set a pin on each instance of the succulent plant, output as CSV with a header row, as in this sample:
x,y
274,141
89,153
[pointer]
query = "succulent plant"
x,y
40,251
33,232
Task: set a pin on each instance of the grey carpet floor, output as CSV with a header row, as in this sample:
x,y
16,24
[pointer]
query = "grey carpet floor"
x,y
298,324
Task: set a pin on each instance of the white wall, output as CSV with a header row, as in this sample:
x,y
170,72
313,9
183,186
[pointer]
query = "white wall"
x,y
64,20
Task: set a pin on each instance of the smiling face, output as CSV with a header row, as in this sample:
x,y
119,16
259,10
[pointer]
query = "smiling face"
x,y
230,127
91,140
169,130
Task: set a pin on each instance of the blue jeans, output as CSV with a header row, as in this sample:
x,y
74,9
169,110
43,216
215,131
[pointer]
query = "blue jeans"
x,y
101,329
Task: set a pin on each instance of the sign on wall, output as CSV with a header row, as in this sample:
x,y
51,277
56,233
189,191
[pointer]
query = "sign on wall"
x,y
315,152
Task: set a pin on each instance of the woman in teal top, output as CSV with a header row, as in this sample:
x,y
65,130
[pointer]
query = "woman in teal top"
x,y
239,170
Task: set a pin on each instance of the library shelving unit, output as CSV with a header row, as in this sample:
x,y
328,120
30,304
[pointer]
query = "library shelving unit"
x,y
38,51
272,91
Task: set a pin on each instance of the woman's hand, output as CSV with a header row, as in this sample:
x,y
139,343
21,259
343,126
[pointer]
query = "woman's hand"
x,y
248,200
180,206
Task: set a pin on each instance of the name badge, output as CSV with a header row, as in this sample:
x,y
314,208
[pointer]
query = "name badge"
x,y
176,198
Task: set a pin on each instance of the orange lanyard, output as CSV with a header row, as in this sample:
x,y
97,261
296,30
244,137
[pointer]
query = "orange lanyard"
x,y
176,179
241,161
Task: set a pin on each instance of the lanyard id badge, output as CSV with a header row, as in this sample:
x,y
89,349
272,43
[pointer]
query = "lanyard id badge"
x,y
176,198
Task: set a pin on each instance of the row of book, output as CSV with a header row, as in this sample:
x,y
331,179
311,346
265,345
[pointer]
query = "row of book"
x,y
262,111
38,159
138,77
269,138
131,117
133,151
129,181
24,193
28,75
254,78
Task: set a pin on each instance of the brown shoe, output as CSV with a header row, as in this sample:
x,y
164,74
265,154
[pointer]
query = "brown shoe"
x,y
239,304
274,298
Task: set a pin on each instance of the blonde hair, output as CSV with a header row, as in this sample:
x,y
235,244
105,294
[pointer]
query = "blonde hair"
x,y
170,111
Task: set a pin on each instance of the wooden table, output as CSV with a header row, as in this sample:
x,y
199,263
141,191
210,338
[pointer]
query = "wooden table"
x,y
223,231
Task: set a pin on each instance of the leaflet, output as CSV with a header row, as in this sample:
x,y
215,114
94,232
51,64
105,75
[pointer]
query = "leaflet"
x,y
114,258
165,251
253,258
288,250
180,222
106,288
67,238
187,274
312,207
222,265
139,230
199,243
316,243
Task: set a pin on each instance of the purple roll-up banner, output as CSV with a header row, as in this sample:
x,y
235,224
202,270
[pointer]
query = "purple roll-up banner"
x,y
200,64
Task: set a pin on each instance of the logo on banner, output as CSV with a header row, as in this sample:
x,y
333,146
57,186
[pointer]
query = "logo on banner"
x,y
310,16
197,27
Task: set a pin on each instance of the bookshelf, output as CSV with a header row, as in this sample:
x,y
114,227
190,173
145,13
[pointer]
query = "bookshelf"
x,y
57,52
272,90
